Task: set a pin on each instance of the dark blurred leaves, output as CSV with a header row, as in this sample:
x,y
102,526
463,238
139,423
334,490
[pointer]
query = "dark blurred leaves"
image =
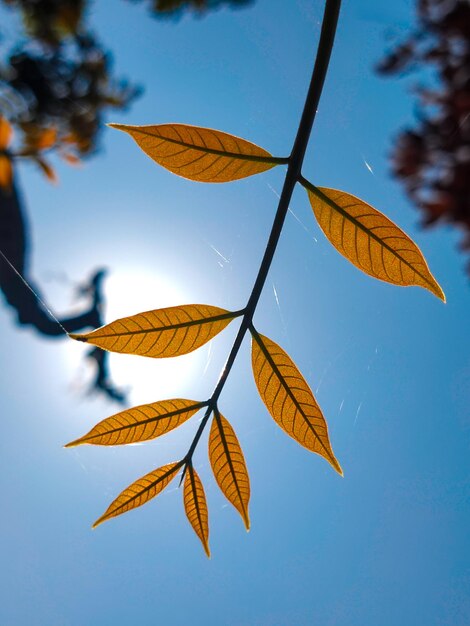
x,y
432,160
176,7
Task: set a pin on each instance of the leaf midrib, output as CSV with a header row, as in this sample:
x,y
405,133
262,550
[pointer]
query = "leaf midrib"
x,y
204,320
174,469
229,460
234,155
149,420
289,392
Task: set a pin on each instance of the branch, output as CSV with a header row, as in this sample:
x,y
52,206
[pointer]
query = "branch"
x,y
293,175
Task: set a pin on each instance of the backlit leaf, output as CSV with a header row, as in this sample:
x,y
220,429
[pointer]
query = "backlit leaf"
x,y
228,464
161,333
6,172
195,506
201,154
141,491
289,399
46,169
5,133
46,138
371,241
140,423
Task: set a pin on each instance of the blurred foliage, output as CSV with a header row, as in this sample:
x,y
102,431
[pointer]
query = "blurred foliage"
x,y
59,76
432,160
56,85
175,7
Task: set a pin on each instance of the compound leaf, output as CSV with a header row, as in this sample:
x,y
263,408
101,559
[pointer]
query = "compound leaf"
x,y
371,241
141,423
161,333
228,464
201,154
141,491
289,399
195,506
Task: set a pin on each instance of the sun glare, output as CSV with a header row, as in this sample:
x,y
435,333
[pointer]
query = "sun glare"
x,y
148,380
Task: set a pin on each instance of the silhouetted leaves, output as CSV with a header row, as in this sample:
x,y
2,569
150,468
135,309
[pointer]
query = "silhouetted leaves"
x,y
371,241
432,160
201,154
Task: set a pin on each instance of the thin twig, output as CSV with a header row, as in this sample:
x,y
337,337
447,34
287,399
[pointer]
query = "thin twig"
x,y
293,175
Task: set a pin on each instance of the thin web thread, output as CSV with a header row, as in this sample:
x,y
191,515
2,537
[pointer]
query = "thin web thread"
x,y
38,298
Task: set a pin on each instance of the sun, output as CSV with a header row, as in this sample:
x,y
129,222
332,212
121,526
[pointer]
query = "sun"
x,y
129,292
132,291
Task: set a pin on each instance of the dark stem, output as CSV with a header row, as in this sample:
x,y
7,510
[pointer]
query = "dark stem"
x,y
328,30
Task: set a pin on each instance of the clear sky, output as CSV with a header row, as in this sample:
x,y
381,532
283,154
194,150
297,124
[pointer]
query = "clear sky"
x,y
385,545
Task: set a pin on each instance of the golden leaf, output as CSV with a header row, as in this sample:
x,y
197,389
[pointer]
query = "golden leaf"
x,y
47,169
201,154
289,399
141,423
45,138
72,159
195,506
228,464
371,241
141,491
5,133
161,333
6,173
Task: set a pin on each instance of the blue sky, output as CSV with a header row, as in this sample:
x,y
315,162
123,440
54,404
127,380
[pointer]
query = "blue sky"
x,y
385,545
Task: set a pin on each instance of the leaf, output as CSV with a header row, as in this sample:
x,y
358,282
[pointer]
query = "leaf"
x,y
47,169
72,159
161,333
195,506
289,399
201,154
141,491
6,172
45,138
140,423
228,464
6,133
371,241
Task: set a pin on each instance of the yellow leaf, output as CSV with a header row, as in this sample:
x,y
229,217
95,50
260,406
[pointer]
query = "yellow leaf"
x,y
195,506
141,491
47,169
228,464
371,241
140,423
161,333
6,173
201,154
289,399
45,138
5,133
72,159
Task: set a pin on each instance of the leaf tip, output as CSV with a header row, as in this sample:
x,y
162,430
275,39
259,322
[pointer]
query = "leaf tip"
x,y
117,126
439,292
334,462
99,521
73,444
